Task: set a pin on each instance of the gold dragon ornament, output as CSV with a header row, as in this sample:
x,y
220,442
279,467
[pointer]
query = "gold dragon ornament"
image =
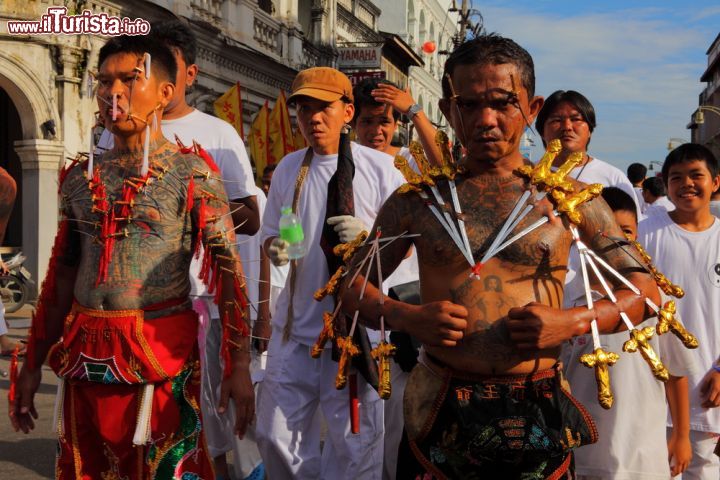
x,y
347,350
639,339
346,250
382,354
668,322
600,361
662,281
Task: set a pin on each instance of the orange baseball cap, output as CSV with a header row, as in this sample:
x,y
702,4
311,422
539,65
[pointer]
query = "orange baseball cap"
x,y
323,83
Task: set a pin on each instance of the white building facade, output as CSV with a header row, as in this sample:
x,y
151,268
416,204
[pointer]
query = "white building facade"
x,y
708,132
417,22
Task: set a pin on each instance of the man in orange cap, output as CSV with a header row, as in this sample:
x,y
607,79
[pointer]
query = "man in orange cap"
x,y
336,189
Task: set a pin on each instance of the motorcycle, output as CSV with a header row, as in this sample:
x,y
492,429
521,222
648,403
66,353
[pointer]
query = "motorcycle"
x,y
17,286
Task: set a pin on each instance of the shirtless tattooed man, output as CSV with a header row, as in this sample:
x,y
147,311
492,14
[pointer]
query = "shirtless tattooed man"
x,y
114,317
486,400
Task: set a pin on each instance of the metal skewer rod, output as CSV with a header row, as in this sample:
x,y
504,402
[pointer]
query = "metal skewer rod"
x,y
461,222
505,228
608,290
589,299
362,290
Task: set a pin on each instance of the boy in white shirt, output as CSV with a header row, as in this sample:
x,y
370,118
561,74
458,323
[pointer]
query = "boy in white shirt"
x,y
630,439
685,246
655,197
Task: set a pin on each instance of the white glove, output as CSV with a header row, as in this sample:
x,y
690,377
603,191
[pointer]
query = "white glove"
x,y
347,227
278,252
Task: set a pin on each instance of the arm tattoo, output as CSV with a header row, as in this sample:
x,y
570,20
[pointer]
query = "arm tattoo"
x,y
395,217
597,225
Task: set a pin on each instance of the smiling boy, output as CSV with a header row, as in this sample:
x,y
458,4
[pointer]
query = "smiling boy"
x,y
685,245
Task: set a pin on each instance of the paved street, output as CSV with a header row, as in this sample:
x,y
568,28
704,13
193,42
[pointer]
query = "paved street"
x,y
26,457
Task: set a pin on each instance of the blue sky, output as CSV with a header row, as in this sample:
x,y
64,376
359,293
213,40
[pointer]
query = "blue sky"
x,y
638,62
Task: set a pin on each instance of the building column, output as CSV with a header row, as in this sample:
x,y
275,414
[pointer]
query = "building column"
x,y
240,20
319,14
288,11
40,160
68,88
295,45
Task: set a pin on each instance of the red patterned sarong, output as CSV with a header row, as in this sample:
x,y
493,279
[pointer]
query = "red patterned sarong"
x,y
104,377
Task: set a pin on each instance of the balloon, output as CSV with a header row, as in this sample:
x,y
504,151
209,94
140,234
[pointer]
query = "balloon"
x,y
428,47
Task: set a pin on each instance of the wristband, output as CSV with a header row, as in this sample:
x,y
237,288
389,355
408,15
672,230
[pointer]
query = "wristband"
x,y
716,368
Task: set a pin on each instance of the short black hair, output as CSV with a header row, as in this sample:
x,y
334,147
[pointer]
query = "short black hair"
x,y
490,49
269,168
163,61
363,98
619,200
690,152
176,34
655,186
577,99
636,172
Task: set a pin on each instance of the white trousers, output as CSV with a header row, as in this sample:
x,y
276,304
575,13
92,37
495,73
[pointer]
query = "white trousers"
x,y
705,465
219,429
295,388
3,324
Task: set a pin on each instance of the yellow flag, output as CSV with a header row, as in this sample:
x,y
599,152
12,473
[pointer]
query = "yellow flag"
x,y
281,135
259,141
229,108
299,140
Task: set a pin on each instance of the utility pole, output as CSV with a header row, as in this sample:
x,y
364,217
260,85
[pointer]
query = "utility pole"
x,y
463,23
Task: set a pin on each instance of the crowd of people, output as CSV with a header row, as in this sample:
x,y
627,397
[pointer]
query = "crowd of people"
x,y
174,300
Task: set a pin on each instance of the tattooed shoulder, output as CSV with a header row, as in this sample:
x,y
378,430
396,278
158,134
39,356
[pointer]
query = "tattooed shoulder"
x,y
398,212
602,234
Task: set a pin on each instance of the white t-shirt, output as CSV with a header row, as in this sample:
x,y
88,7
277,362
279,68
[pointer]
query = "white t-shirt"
x,y
631,435
597,171
375,179
639,199
224,145
661,204
715,207
691,260
249,250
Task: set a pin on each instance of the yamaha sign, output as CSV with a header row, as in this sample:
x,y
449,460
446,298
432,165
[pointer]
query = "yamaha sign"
x,y
359,57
